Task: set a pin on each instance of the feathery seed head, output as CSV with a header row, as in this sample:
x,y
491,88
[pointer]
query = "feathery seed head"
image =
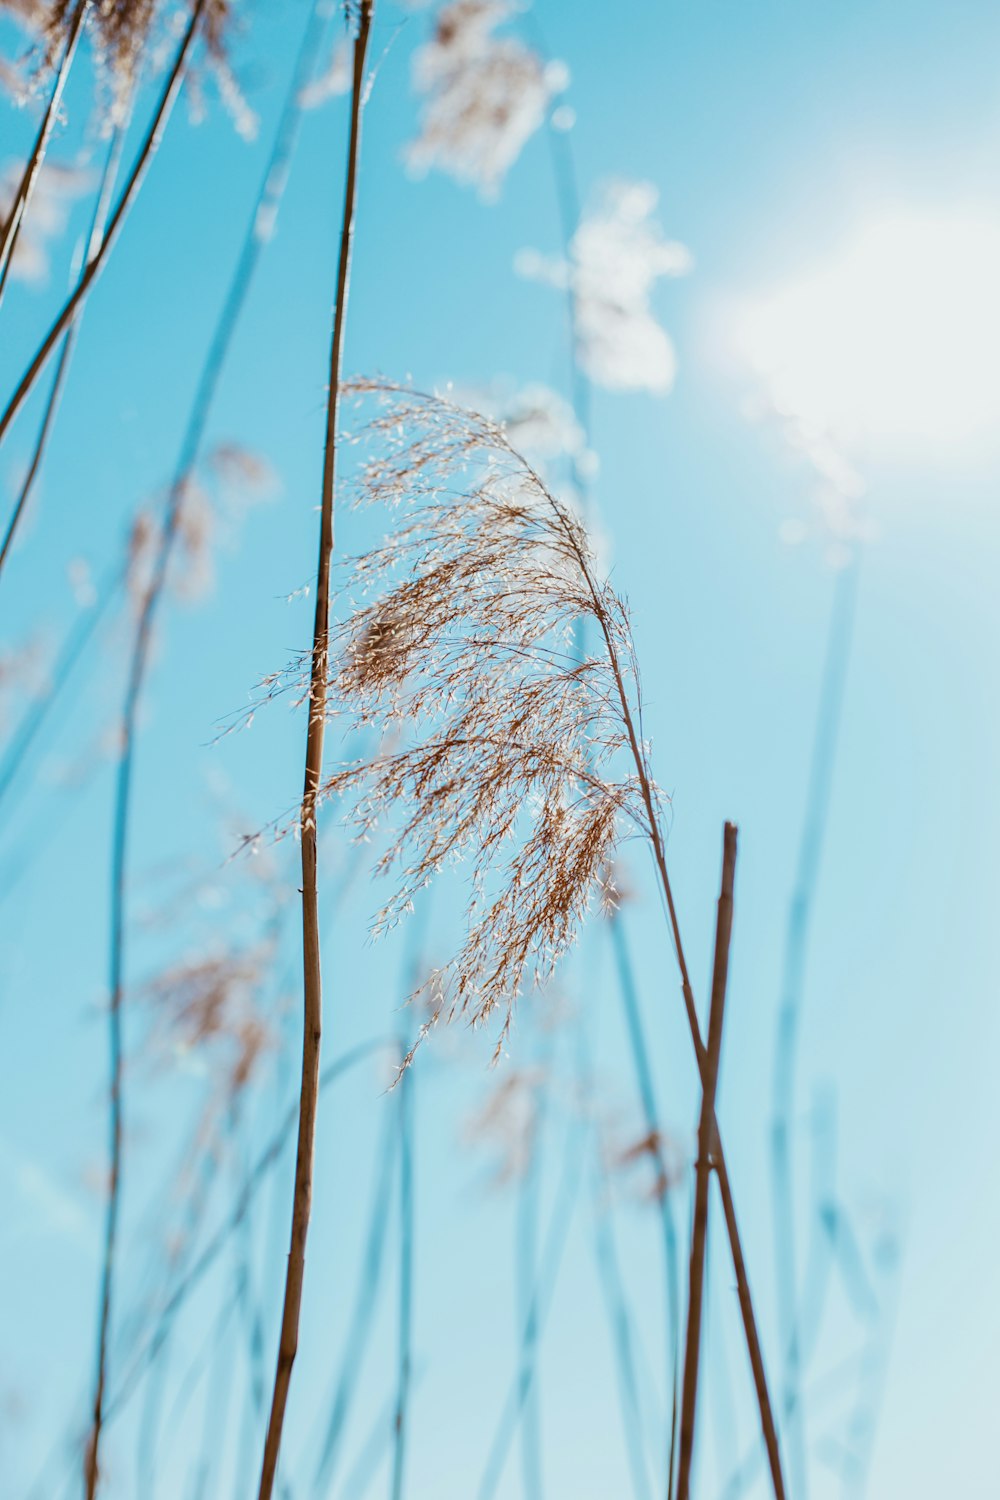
x,y
500,745
485,96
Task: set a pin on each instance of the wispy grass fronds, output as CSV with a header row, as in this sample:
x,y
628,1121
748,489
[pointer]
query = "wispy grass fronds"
x,y
507,1123
206,1008
509,751
124,29
484,95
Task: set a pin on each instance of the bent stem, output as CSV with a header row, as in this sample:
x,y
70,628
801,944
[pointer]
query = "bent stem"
x,y
653,832
706,1133
90,271
768,1426
311,965
32,167
94,242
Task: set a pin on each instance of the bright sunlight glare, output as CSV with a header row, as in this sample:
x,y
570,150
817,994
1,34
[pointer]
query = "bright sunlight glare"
x,y
897,337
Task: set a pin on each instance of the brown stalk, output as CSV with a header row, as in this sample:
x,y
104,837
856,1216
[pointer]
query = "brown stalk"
x,y
706,1142
91,1461
311,964
90,271
768,1425
33,165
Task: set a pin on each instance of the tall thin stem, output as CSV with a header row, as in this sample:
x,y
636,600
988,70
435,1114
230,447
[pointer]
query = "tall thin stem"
x,y
190,446
194,1274
754,1350
406,1237
651,1120
706,1140
92,1457
545,1280
652,829
90,271
94,241
407,1225
81,632
568,201
32,167
526,1258
362,1314
609,1272
824,751
311,962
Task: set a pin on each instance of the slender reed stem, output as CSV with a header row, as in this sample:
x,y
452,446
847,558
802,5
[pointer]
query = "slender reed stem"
x,y
706,1141
199,1268
609,1273
92,1457
822,1217
273,184
90,271
218,1392
547,1275
407,1220
311,963
568,200
94,241
526,1257
78,638
406,1235
652,829
824,750
32,167
651,1120
360,1326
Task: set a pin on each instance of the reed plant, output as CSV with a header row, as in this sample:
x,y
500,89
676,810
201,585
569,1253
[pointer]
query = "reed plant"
x,y
503,746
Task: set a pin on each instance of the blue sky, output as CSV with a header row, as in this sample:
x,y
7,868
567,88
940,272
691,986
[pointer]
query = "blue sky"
x,y
775,134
